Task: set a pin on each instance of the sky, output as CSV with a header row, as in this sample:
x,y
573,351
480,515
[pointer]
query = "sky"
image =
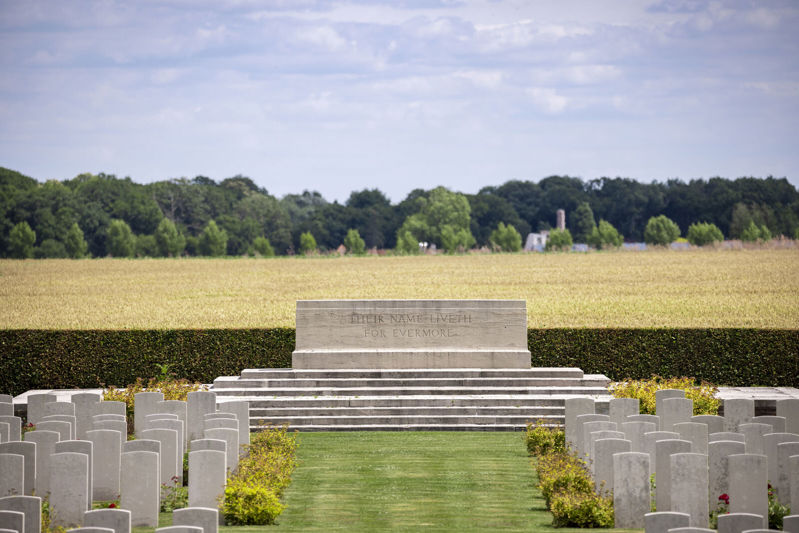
x,y
341,96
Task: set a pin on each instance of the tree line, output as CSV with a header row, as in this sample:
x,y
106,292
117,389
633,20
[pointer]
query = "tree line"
x,y
98,215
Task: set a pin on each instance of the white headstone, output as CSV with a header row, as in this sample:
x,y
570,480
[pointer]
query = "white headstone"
x,y
715,423
231,438
665,394
649,445
635,431
45,447
631,499
782,488
578,433
740,522
108,463
663,521
753,437
748,483
170,452
36,405
117,520
144,403
64,429
696,433
719,470
789,409
689,480
14,427
141,493
12,474
604,450
84,410
241,408
207,476
664,449
674,411
777,423
737,411
203,517
87,448
30,506
28,451
69,486
198,404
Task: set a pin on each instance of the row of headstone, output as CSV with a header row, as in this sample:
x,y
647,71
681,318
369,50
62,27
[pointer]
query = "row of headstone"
x,y
694,459
79,452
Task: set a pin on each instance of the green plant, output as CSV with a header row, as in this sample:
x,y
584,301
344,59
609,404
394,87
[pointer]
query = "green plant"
x,y
506,238
562,472
703,395
723,507
579,509
776,511
652,487
661,230
703,233
263,247
541,439
354,243
559,240
605,236
47,519
307,243
174,495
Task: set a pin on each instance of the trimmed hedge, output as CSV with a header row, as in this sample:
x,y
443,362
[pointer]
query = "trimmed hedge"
x,y
64,359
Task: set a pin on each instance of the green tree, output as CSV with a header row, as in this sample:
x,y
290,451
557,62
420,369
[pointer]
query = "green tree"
x,y
605,236
146,246
213,241
750,233
661,231
169,241
263,247
506,238
765,233
455,240
50,248
76,246
703,233
354,243
559,240
406,243
307,243
20,241
121,241
583,222
441,215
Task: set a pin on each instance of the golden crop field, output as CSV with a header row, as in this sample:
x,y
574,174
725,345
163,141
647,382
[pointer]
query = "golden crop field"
x,y
699,288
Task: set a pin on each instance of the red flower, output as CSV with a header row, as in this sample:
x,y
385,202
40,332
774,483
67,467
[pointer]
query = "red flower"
x,y
112,505
725,498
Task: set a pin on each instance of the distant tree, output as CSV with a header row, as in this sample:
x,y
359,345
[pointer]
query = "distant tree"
x,y
213,241
583,222
169,241
487,211
76,246
51,249
146,246
353,242
307,243
751,233
442,215
406,243
20,241
796,234
559,240
121,240
605,236
263,247
455,239
765,233
506,238
703,233
661,231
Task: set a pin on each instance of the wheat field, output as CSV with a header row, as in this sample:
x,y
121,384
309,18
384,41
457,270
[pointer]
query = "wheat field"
x,y
665,288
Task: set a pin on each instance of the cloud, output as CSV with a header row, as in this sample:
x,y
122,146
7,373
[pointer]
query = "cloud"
x,y
548,100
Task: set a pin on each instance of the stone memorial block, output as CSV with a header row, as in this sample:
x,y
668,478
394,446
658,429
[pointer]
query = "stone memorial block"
x,y
793,465
198,404
12,474
782,488
6,398
231,438
5,432
85,447
753,436
170,452
117,520
689,479
411,334
179,529
674,411
63,429
142,445
207,475
174,407
777,423
654,419
789,410
30,506
740,522
177,425
6,409
91,530
12,521
213,423
591,427
737,411
140,487
664,449
620,408
790,523
631,499
144,403
719,470
715,423
649,445
635,431
69,419
3,530
241,408
108,416
696,433
58,408
69,488
604,450
595,436
574,408
579,435
220,414
36,405
692,530
114,425
665,394
107,461
45,447
111,408
84,410
663,521
202,517
208,444
28,452
726,435
14,427
748,483
770,442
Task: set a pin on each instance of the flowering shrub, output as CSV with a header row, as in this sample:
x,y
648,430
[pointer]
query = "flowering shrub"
x,y
582,510
722,508
561,472
541,439
174,495
703,395
776,511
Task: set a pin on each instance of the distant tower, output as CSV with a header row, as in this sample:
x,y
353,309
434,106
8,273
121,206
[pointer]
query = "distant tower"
x,y
561,219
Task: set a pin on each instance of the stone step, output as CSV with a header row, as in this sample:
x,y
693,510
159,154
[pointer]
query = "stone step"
x,y
398,383
440,420
411,391
366,411
411,427
326,402
286,373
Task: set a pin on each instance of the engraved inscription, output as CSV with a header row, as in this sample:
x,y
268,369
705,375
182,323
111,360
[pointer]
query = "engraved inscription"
x,y
376,324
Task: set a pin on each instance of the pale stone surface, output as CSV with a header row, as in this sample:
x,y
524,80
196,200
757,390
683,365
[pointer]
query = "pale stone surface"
x,y
87,448
663,521
108,416
740,522
695,432
175,407
36,405
170,452
12,474
30,506
6,398
64,429
591,427
220,414
144,403
738,411
719,470
620,408
635,431
790,523
595,436
579,435
28,451
91,530
645,418
782,488
14,427
793,464
604,450
45,446
715,423
789,409
118,520
142,445
664,449
692,530
214,423
208,444
12,521
770,442
231,438
411,334
5,431
198,404
674,411
179,529
665,394
726,435
574,408
748,483
202,517
114,425
6,409
108,463
69,485
241,408
777,423
58,408
69,419
207,475
84,410
176,425
111,408
753,437
140,488
631,498
649,445
689,479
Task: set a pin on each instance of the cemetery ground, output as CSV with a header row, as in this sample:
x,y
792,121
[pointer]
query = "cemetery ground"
x,y
659,288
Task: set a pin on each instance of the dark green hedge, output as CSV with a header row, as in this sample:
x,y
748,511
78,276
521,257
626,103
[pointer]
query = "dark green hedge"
x,y
38,359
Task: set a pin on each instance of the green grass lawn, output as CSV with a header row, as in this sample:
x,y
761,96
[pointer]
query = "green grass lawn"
x,y
409,481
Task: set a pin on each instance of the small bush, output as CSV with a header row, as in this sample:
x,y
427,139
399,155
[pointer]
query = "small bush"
x,y
561,472
582,510
703,233
247,504
703,395
541,439
174,496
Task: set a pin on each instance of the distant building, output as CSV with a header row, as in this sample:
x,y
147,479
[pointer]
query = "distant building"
x,y
560,219
536,242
